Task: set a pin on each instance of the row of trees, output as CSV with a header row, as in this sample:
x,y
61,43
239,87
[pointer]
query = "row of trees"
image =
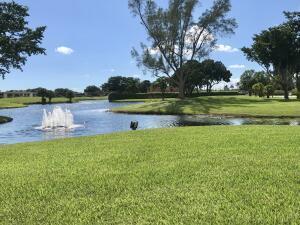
x,y
59,92
277,50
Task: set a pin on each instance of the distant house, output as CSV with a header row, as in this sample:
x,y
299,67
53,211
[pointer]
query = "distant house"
x,y
14,94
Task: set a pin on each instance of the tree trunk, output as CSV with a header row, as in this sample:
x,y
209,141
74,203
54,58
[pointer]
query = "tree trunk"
x,y
181,86
298,85
285,84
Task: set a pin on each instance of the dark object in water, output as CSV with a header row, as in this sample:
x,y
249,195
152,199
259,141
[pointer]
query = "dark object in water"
x,y
134,125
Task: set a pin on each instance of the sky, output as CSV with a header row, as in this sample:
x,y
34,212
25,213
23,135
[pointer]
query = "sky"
x,y
87,41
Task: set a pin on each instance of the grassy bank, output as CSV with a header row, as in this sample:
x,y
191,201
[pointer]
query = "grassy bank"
x,y
24,101
4,119
199,175
221,105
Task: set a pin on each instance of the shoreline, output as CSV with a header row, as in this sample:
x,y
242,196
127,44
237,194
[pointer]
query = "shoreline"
x,y
211,115
5,119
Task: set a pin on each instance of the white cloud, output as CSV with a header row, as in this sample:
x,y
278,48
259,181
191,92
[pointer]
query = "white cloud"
x,y
64,50
225,48
237,66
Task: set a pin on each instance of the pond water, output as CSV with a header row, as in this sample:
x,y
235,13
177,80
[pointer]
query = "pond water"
x,y
96,119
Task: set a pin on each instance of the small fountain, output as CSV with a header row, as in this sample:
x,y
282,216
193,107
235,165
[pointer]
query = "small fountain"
x,y
58,118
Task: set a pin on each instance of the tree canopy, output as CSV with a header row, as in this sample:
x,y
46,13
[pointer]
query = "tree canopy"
x,y
92,91
176,37
277,49
17,40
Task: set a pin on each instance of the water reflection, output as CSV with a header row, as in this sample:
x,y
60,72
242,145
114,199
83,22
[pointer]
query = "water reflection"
x,y
96,119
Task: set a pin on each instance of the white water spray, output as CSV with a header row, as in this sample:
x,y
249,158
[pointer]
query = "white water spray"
x,y
58,118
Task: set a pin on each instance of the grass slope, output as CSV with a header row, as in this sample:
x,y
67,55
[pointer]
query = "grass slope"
x,y
199,175
23,101
222,105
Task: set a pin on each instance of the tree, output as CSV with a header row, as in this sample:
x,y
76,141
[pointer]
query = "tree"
x,y
176,38
70,95
162,84
17,40
258,89
42,92
60,92
277,50
50,94
269,90
92,91
246,81
214,72
144,86
250,77
121,84
194,76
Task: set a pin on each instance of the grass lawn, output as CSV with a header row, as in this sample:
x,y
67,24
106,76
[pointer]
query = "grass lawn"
x,y
220,105
23,101
197,175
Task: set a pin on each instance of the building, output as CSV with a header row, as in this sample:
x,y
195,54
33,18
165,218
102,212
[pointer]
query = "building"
x,y
14,94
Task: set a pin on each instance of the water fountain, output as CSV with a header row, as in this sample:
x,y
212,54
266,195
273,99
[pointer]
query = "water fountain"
x,y
58,118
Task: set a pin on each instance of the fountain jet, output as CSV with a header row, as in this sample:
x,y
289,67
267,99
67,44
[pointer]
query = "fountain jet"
x,y
58,118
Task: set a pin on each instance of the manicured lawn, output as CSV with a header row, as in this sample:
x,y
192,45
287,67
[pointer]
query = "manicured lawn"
x,y
23,101
4,119
220,105
199,175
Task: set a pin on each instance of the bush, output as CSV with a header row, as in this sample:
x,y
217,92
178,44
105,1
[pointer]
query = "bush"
x,y
278,92
113,96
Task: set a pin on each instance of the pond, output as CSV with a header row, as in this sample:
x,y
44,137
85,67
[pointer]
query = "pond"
x,y
96,119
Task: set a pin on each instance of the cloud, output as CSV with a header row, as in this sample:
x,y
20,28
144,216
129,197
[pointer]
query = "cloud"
x,y
64,50
237,66
225,48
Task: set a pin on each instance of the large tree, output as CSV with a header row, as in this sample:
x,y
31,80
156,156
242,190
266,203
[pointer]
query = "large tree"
x,y
277,49
214,72
176,37
92,91
17,40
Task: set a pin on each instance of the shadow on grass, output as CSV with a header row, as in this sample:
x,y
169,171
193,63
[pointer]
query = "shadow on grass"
x,y
206,104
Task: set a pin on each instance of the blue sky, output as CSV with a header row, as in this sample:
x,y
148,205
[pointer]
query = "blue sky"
x,y
100,35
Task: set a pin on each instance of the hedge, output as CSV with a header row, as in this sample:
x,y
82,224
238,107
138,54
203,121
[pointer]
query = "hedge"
x,y
114,96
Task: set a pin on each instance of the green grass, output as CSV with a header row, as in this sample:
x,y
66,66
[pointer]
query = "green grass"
x,y
219,105
200,175
5,119
24,101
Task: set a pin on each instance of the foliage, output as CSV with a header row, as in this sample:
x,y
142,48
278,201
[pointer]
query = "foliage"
x,y
258,89
250,77
92,91
278,48
42,92
161,82
176,37
121,84
61,92
144,86
70,95
50,94
214,72
17,40
269,90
